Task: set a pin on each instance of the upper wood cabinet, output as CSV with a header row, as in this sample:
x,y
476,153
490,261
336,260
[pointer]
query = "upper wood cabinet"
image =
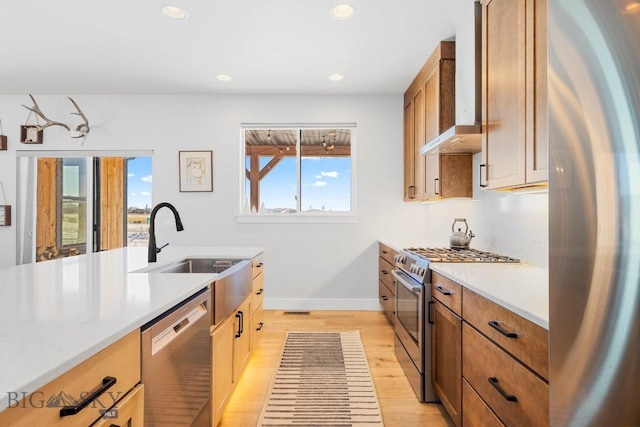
x,y
514,93
429,110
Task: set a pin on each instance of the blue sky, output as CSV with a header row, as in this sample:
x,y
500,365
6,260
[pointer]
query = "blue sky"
x,y
326,182
139,182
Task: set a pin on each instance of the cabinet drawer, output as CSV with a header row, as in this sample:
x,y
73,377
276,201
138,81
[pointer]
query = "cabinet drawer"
x,y
492,372
530,342
387,300
121,361
384,273
257,265
387,252
128,412
476,413
447,292
258,292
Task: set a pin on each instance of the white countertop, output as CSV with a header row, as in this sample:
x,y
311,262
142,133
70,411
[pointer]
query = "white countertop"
x,y
521,288
56,314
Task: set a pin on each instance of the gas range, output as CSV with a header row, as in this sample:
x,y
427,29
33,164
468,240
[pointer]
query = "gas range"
x,y
415,261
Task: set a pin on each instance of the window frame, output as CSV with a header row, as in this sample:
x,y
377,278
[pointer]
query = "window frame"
x,y
300,216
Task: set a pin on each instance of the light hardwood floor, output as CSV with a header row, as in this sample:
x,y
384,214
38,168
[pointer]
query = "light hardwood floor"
x,y
400,407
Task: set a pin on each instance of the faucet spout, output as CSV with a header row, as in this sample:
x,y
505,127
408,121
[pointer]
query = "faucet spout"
x,y
153,249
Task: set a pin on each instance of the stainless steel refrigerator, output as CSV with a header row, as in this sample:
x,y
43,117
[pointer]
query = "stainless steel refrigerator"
x,y
594,212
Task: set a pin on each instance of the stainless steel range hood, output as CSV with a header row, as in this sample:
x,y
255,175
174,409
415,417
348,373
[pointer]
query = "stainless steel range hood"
x,y
464,139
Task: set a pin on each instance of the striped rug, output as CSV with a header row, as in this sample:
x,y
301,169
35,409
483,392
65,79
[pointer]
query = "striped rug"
x,y
323,379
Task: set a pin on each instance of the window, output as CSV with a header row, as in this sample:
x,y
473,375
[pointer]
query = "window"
x,y
298,170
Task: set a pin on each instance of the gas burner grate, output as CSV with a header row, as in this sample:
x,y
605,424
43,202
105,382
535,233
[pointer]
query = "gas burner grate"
x,y
460,255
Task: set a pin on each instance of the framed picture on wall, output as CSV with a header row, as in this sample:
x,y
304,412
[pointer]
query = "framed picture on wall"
x,y
196,170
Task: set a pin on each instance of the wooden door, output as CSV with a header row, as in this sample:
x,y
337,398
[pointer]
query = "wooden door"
x,y
222,341
409,155
446,360
242,340
112,206
504,110
538,131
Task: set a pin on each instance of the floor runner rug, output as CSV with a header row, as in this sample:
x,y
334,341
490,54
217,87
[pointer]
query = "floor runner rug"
x,y
323,379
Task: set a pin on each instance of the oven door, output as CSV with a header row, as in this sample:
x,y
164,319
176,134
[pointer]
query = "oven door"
x,y
410,316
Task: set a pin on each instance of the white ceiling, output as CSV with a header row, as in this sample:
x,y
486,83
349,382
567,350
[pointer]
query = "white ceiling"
x,y
267,46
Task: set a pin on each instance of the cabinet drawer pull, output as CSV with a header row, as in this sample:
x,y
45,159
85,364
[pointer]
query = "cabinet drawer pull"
x,y
494,324
412,191
384,297
107,382
384,252
480,182
260,325
435,186
259,265
510,397
384,272
442,290
260,292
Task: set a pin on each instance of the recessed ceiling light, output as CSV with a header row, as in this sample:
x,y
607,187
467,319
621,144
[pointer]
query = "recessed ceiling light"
x,y
336,77
174,12
342,11
630,8
224,78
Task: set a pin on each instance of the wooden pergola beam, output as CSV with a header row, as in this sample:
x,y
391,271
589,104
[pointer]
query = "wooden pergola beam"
x,y
307,151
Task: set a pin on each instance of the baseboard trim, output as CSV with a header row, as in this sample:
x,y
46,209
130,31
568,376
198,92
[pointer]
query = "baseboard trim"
x,y
321,304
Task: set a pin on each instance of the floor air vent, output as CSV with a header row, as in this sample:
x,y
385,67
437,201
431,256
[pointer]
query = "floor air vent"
x,y
296,312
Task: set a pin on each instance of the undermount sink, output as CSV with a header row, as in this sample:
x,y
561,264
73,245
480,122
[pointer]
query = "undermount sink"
x,y
198,265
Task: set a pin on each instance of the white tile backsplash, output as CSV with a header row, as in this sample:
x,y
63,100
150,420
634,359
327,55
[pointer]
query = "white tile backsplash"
x,y
509,223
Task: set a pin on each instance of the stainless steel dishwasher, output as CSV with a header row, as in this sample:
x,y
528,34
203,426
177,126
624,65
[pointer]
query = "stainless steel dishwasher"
x,y
176,365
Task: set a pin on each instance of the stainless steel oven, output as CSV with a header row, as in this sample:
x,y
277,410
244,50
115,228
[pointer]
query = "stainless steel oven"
x,y
413,336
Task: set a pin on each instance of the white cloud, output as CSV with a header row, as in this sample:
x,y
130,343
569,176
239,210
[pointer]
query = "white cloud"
x,y
147,178
319,184
131,175
145,193
332,174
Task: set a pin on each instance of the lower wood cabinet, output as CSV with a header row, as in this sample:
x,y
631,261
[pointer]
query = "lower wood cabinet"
x,y
386,286
128,412
489,365
476,413
115,369
446,344
446,359
515,394
230,351
257,306
222,339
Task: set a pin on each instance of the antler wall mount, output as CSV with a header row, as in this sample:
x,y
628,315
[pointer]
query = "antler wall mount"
x,y
79,132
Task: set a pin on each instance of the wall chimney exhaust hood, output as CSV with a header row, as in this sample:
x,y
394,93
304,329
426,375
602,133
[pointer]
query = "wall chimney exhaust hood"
x,y
464,139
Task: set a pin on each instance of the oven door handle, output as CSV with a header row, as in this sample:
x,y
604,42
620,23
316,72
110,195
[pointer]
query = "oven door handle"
x,y
412,288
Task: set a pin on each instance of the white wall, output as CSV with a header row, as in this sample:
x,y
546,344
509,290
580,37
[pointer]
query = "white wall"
x,y
307,265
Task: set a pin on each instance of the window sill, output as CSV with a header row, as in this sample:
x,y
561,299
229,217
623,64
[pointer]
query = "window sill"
x,y
301,218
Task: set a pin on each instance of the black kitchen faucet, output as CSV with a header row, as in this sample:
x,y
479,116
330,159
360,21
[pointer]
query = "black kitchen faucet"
x,y
153,249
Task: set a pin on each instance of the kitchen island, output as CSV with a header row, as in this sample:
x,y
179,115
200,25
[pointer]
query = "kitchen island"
x,y
56,314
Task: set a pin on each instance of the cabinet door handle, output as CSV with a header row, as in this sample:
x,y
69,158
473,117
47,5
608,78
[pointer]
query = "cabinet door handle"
x,y
411,191
107,382
239,317
259,265
384,252
482,166
260,291
260,326
495,325
430,309
384,271
384,297
435,186
442,290
510,397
